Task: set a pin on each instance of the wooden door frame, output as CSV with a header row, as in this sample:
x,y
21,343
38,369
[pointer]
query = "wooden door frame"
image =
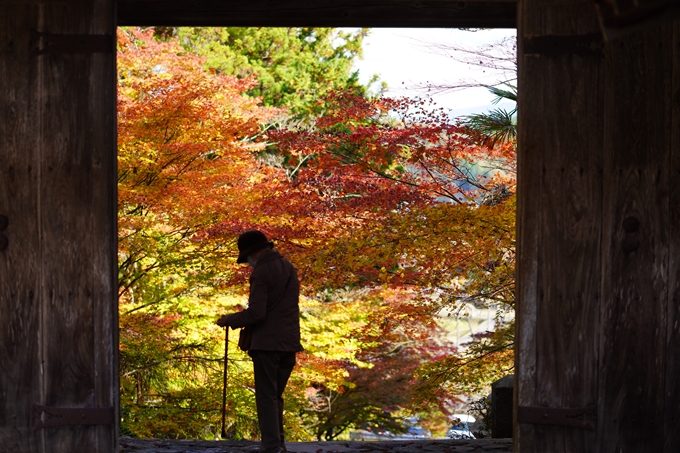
x,y
320,13
58,279
62,33
546,33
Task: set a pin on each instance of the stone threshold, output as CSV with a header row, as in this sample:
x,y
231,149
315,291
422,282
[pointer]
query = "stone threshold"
x,y
130,445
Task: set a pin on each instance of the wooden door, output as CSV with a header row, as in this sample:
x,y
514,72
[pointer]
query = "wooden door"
x,y
58,316
598,236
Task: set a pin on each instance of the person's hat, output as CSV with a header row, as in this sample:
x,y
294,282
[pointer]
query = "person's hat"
x,y
249,242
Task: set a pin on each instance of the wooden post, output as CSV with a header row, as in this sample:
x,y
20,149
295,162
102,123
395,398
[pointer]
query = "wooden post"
x,y
559,218
598,234
58,314
636,243
671,432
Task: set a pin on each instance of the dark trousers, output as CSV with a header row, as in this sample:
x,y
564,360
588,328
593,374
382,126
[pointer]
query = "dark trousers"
x,y
272,370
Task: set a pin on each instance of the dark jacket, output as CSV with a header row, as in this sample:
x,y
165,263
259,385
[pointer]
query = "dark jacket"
x,y
273,308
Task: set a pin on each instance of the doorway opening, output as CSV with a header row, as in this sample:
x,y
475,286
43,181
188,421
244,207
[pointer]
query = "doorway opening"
x,y
399,218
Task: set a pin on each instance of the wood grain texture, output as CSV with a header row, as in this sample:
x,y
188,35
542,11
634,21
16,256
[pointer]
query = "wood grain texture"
x,y
20,354
570,222
672,395
559,218
78,196
320,13
59,159
636,258
528,183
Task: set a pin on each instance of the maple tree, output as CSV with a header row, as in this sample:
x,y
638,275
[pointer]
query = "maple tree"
x,y
186,137
398,180
391,212
377,382
185,141
432,208
188,169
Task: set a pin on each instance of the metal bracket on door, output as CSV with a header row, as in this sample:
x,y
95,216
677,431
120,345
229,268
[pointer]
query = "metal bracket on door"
x,y
577,417
64,416
50,43
591,44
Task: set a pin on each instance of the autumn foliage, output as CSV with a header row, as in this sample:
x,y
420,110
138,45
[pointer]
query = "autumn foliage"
x,y
392,212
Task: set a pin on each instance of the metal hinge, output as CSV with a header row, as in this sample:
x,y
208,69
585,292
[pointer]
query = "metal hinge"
x,y
51,43
577,417
64,416
554,45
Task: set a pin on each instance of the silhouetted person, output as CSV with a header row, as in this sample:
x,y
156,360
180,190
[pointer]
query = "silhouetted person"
x,y
274,314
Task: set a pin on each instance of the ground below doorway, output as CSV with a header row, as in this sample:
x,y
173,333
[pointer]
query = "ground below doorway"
x,y
129,445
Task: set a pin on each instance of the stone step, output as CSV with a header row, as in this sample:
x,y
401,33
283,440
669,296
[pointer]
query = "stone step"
x,y
130,445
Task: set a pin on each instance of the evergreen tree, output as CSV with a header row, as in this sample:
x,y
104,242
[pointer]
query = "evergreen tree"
x,y
294,67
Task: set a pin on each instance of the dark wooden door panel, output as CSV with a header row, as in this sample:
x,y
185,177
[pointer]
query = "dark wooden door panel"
x,y
633,317
58,316
559,217
19,270
598,231
598,211
671,433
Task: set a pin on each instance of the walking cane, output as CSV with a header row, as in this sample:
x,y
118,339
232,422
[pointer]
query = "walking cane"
x,y
224,386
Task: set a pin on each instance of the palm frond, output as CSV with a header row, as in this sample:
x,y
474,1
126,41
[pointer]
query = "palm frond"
x,y
501,94
497,125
